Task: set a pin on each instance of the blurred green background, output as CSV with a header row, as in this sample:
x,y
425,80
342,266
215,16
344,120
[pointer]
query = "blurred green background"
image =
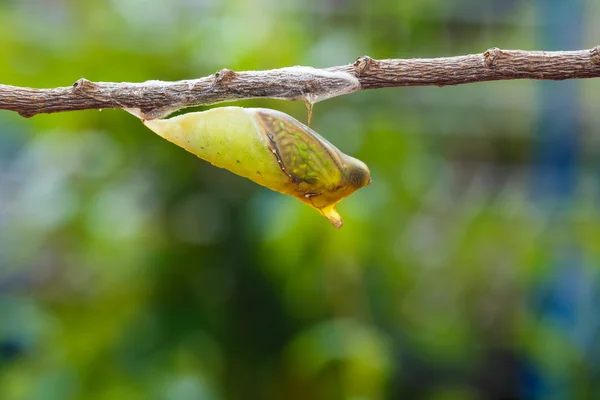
x,y
468,269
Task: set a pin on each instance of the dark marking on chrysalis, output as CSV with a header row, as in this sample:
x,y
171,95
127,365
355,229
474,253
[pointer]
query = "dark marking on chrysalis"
x,y
275,152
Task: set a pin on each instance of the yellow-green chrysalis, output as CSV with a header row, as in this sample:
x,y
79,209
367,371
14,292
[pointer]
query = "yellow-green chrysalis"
x,y
272,149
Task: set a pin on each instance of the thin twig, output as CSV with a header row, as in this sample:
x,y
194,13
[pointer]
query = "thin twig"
x,y
155,99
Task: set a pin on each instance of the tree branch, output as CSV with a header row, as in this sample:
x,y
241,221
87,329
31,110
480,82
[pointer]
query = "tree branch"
x,y
155,99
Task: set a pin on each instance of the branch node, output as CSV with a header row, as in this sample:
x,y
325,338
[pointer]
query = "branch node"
x,y
83,85
224,76
490,56
363,64
595,55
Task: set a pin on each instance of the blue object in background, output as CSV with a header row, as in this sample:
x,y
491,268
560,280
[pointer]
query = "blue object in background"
x,y
559,120
561,300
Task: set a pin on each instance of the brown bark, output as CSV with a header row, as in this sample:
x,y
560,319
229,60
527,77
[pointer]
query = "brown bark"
x,y
154,99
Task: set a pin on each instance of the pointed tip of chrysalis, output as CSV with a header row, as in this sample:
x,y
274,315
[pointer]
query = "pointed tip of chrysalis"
x,y
332,216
